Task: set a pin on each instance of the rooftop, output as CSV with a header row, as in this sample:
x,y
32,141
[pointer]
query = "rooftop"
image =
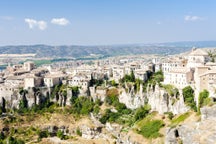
x,y
198,52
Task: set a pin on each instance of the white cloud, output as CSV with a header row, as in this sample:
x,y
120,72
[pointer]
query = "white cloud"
x,y
60,21
42,25
31,22
192,18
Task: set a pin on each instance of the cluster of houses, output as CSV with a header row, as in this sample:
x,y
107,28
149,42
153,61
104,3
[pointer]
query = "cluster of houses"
x,y
27,75
194,69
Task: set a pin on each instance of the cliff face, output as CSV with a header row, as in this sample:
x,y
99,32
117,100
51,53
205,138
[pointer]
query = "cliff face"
x,y
33,97
98,93
195,132
162,102
156,97
131,99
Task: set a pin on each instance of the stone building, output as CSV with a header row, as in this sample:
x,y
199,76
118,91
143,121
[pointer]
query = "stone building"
x,y
28,66
51,80
197,57
79,80
179,77
31,81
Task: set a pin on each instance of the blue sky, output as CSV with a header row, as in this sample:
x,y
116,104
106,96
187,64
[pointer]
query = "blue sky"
x,y
98,22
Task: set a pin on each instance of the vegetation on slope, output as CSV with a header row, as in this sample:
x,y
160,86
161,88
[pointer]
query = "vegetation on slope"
x,y
177,120
150,129
204,99
188,94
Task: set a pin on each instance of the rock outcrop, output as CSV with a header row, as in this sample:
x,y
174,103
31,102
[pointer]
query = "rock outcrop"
x,y
195,132
132,99
98,93
156,97
161,101
91,133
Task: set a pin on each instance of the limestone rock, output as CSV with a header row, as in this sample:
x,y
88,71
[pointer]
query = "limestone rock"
x,y
195,132
131,99
160,101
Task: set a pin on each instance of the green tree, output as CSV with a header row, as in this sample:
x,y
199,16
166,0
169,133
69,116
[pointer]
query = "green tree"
x,y
42,134
132,76
23,104
203,97
141,112
55,92
212,55
3,107
158,76
188,94
82,105
75,93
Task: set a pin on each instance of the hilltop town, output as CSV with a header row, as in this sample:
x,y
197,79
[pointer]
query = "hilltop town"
x,y
115,97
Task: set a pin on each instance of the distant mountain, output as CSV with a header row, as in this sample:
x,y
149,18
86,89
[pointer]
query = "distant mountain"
x,y
76,51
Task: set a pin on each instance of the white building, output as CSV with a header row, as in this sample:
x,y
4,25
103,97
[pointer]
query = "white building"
x,y
197,57
32,81
141,74
79,80
53,79
173,63
179,77
118,72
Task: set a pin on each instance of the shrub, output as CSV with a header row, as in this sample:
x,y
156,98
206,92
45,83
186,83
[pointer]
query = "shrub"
x,y
60,134
188,94
109,116
128,78
170,115
179,119
78,132
113,83
203,98
112,96
150,129
2,136
171,90
12,140
42,134
141,112
82,105
96,109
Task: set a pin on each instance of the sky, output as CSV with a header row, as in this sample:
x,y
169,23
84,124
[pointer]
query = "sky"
x,y
105,22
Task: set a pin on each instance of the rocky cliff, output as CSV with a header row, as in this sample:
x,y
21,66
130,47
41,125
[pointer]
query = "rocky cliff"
x,y
199,132
132,99
161,101
156,97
